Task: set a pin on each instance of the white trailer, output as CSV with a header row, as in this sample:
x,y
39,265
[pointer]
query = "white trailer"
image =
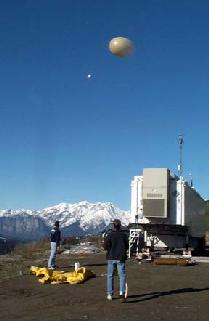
x,y
165,212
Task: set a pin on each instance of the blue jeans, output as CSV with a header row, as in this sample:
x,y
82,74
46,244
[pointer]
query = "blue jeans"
x,y
110,276
52,258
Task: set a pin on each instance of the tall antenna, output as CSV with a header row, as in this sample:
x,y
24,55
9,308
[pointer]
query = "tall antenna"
x,y
180,174
180,165
190,180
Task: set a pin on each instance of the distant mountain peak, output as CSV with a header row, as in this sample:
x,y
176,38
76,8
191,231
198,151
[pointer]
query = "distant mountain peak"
x,y
75,219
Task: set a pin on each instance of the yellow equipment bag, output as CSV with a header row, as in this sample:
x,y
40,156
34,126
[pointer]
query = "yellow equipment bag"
x,y
59,277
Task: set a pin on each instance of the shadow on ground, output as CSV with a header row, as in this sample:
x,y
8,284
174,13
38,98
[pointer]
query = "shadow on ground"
x,y
155,295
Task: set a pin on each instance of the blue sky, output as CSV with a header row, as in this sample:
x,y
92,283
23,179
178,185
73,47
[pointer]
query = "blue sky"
x,y
67,138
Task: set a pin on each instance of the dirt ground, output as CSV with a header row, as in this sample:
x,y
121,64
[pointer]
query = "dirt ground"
x,y
171,293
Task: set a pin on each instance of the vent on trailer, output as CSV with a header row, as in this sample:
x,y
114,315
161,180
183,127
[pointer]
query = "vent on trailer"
x,y
155,192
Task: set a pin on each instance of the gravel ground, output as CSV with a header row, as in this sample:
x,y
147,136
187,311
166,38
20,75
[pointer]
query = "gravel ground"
x,y
171,293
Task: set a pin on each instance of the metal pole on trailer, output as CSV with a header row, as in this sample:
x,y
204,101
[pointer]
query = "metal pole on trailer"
x,y
180,174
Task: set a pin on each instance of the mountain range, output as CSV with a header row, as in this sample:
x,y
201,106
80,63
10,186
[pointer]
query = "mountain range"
x,y
79,219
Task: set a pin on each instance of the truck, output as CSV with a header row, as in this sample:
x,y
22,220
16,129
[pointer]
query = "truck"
x,y
166,212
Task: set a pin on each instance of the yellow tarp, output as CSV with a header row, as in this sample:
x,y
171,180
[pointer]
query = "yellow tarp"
x,y
58,277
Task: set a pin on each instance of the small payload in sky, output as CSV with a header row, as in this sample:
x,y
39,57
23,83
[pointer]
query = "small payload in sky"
x,y
121,46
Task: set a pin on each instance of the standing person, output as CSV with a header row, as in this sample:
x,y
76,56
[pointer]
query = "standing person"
x,y
116,245
55,239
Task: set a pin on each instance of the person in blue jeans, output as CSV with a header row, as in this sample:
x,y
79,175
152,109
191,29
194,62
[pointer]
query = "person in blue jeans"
x,y
116,245
55,239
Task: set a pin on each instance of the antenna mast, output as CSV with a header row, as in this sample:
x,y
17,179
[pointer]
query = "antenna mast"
x,y
180,174
180,165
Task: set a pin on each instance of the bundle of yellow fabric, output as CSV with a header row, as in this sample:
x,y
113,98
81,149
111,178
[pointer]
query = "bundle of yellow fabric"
x,y
58,277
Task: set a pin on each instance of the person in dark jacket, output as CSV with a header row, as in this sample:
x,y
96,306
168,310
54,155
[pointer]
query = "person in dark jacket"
x,y
55,239
116,244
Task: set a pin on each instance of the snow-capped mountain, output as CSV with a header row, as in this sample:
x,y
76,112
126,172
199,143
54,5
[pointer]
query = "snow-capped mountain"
x,y
75,219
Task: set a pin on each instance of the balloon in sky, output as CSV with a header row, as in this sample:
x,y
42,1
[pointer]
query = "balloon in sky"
x,y
121,46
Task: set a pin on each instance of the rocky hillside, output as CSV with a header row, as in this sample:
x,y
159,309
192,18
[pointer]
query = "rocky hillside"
x,y
82,218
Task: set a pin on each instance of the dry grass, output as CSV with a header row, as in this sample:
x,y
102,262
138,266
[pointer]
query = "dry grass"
x,y
18,262
33,249
24,255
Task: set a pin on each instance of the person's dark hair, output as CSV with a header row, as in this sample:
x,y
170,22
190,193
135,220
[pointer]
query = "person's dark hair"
x,y
117,224
57,223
